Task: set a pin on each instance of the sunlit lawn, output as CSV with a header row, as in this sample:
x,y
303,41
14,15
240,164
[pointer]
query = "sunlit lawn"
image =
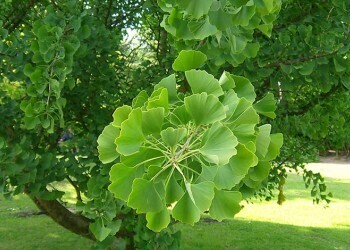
x,y
297,224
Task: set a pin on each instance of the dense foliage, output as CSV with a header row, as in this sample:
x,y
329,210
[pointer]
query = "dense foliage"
x,y
67,65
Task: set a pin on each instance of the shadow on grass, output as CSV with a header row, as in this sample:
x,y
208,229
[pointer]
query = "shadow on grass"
x,y
244,234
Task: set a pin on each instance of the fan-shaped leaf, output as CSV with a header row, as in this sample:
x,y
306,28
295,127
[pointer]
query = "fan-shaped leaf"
x,y
122,178
170,84
172,137
131,135
144,197
156,221
107,149
186,211
152,121
200,81
244,88
120,115
263,140
204,108
266,106
195,9
173,191
225,204
218,144
203,194
189,59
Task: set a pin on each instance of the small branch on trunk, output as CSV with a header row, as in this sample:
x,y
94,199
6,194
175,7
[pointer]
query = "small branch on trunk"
x,y
77,191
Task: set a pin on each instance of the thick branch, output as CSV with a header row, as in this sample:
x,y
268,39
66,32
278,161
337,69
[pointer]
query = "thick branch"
x,y
75,223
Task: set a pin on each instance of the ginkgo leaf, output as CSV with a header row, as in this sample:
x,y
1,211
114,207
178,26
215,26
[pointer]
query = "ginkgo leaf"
x,y
170,84
200,81
172,137
218,144
263,140
204,108
202,194
266,106
144,197
152,121
131,136
107,150
173,191
244,88
122,177
159,98
120,115
140,99
225,204
189,59
156,221
195,9
186,211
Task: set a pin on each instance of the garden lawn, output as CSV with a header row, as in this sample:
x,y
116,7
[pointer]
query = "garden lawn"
x,y
297,224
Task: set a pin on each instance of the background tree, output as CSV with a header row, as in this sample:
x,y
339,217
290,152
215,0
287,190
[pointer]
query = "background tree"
x,y
66,65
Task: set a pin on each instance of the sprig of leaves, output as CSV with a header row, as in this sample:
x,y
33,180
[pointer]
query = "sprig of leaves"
x,y
183,155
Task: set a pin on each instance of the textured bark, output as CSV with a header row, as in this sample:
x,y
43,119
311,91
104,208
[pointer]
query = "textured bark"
x,y
75,223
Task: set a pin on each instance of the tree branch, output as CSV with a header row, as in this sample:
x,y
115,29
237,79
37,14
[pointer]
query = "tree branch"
x,y
300,60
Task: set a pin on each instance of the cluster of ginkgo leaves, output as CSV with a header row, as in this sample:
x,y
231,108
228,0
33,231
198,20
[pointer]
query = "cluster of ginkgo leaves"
x,y
184,154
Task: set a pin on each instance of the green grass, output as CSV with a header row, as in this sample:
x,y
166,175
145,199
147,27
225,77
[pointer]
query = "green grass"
x,y
297,224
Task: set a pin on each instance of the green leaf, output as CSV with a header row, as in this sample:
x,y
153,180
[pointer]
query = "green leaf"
x,y
99,230
107,149
140,99
180,116
202,194
276,142
243,17
196,9
244,88
189,59
144,197
226,81
152,121
230,175
159,98
218,144
120,115
122,177
307,68
131,135
225,204
173,191
202,28
244,114
340,64
170,84
266,106
286,68
156,221
230,102
186,211
200,81
172,137
257,174
263,140
204,108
